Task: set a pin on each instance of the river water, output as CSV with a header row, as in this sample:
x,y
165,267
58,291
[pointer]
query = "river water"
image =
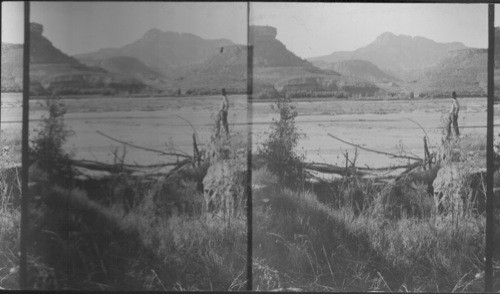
x,y
167,123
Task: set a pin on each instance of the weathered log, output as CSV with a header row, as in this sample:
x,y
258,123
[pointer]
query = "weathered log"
x,y
100,170
144,148
96,165
332,169
375,151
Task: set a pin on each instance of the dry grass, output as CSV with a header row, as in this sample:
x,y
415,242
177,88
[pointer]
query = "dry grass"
x,y
164,242
10,218
396,242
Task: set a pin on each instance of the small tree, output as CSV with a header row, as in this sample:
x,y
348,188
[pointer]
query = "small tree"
x,y
47,146
279,148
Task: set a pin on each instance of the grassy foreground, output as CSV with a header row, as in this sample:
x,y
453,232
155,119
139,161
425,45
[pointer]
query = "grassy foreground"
x,y
361,235
10,215
165,242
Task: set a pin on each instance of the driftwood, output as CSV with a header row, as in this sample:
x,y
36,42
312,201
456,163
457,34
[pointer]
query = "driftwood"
x,y
332,169
375,151
367,171
144,148
95,165
100,170
361,171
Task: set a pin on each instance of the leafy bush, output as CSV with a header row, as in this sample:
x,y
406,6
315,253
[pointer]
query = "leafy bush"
x,y
279,148
47,147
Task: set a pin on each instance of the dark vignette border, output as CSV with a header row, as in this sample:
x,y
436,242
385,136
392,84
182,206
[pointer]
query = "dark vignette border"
x,y
490,201
25,156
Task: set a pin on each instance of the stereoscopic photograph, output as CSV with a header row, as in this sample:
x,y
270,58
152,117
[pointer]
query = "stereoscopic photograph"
x,y
370,127
248,146
138,145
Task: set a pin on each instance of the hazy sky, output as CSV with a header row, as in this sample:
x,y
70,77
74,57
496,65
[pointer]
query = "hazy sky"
x,y
312,29
497,15
307,29
13,22
81,27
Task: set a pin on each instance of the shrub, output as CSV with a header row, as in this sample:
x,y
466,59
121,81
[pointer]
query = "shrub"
x,y
279,148
47,146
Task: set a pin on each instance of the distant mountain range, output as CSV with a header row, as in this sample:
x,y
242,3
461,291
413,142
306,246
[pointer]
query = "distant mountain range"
x,y
395,54
163,52
169,63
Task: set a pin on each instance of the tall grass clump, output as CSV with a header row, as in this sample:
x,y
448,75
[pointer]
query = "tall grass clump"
x,y
10,218
75,243
279,148
365,237
200,251
432,252
307,245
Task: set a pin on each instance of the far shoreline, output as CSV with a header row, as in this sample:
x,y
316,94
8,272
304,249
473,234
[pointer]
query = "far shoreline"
x,y
255,100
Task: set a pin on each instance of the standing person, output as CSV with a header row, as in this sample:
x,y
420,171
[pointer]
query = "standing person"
x,y
453,118
222,116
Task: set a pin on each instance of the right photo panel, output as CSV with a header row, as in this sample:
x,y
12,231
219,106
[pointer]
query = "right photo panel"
x,y
369,147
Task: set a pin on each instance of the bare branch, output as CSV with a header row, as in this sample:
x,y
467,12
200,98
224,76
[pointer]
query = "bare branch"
x,y
144,148
419,125
375,151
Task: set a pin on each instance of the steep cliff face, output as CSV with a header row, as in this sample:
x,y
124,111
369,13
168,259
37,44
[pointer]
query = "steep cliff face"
x,y
277,71
52,71
263,31
269,52
43,52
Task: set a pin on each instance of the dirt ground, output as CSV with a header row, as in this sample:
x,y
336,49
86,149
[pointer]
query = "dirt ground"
x,y
162,123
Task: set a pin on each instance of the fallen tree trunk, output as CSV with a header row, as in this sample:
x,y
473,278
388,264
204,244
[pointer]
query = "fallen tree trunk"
x,y
97,170
332,169
144,148
375,151
362,171
96,165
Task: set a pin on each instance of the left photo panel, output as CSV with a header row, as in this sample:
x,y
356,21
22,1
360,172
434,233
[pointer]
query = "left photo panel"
x,y
137,146
10,143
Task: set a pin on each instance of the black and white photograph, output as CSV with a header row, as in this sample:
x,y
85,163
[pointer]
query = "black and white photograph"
x,y
10,143
249,146
138,145
370,127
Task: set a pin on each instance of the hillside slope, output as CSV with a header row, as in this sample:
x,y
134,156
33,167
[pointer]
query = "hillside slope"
x,y
129,66
12,67
463,71
367,71
225,69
